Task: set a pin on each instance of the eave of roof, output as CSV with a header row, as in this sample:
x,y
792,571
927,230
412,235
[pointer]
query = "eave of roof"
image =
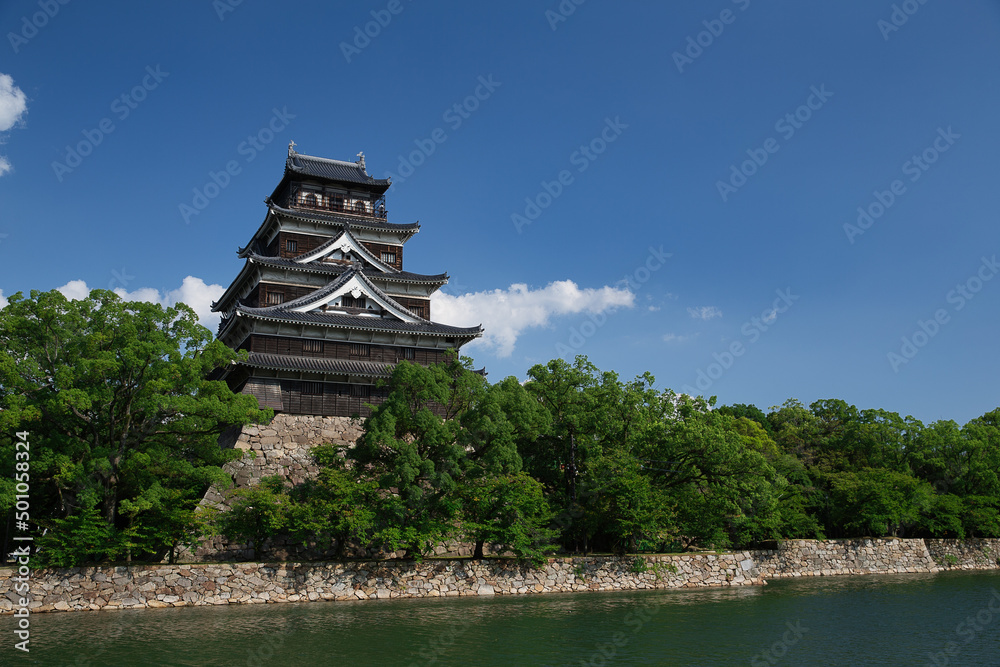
x,y
337,269
331,244
334,285
355,322
335,171
347,220
318,365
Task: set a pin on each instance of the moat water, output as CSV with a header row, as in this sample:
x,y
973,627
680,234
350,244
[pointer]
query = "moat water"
x,y
913,620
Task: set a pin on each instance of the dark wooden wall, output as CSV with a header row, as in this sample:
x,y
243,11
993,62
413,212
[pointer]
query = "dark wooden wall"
x,y
421,307
333,400
288,292
378,248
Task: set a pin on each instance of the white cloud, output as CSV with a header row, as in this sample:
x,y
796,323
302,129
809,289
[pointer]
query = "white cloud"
x,y
3,300
676,338
75,290
505,314
13,105
704,312
193,291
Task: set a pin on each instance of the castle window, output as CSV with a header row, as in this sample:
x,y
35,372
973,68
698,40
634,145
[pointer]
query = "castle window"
x,y
388,258
361,390
360,350
309,200
409,353
312,388
359,206
292,246
312,346
274,298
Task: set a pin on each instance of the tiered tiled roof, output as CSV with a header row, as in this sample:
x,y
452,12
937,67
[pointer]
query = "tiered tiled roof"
x,y
334,170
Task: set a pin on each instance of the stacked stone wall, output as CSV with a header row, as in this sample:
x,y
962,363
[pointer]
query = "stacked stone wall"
x,y
254,583
815,558
80,589
280,448
971,554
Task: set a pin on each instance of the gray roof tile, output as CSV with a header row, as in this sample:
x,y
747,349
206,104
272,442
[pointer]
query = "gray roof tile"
x,y
369,223
333,170
360,322
319,364
337,269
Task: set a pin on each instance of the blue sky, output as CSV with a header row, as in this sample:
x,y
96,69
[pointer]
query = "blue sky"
x,y
659,186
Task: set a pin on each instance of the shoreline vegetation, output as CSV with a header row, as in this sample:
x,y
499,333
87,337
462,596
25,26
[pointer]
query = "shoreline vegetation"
x,y
124,423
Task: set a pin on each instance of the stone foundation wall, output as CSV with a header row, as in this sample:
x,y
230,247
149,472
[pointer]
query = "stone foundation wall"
x,y
249,583
79,589
973,554
279,448
814,558
283,448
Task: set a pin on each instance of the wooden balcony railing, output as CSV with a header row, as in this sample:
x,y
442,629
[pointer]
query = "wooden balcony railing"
x,y
316,202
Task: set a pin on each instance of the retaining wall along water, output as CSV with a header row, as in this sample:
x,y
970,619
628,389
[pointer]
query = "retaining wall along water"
x,y
150,586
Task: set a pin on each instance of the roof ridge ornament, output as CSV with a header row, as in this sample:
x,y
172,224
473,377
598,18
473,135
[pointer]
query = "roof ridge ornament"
x,y
291,148
361,161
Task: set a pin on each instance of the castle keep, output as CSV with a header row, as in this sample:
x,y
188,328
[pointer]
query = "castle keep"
x,y
322,304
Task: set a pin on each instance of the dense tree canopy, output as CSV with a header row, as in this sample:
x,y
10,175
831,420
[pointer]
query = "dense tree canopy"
x,y
123,423
122,420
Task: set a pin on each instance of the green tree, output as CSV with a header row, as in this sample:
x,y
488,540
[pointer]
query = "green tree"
x,y
410,447
877,502
116,398
336,506
255,514
507,510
